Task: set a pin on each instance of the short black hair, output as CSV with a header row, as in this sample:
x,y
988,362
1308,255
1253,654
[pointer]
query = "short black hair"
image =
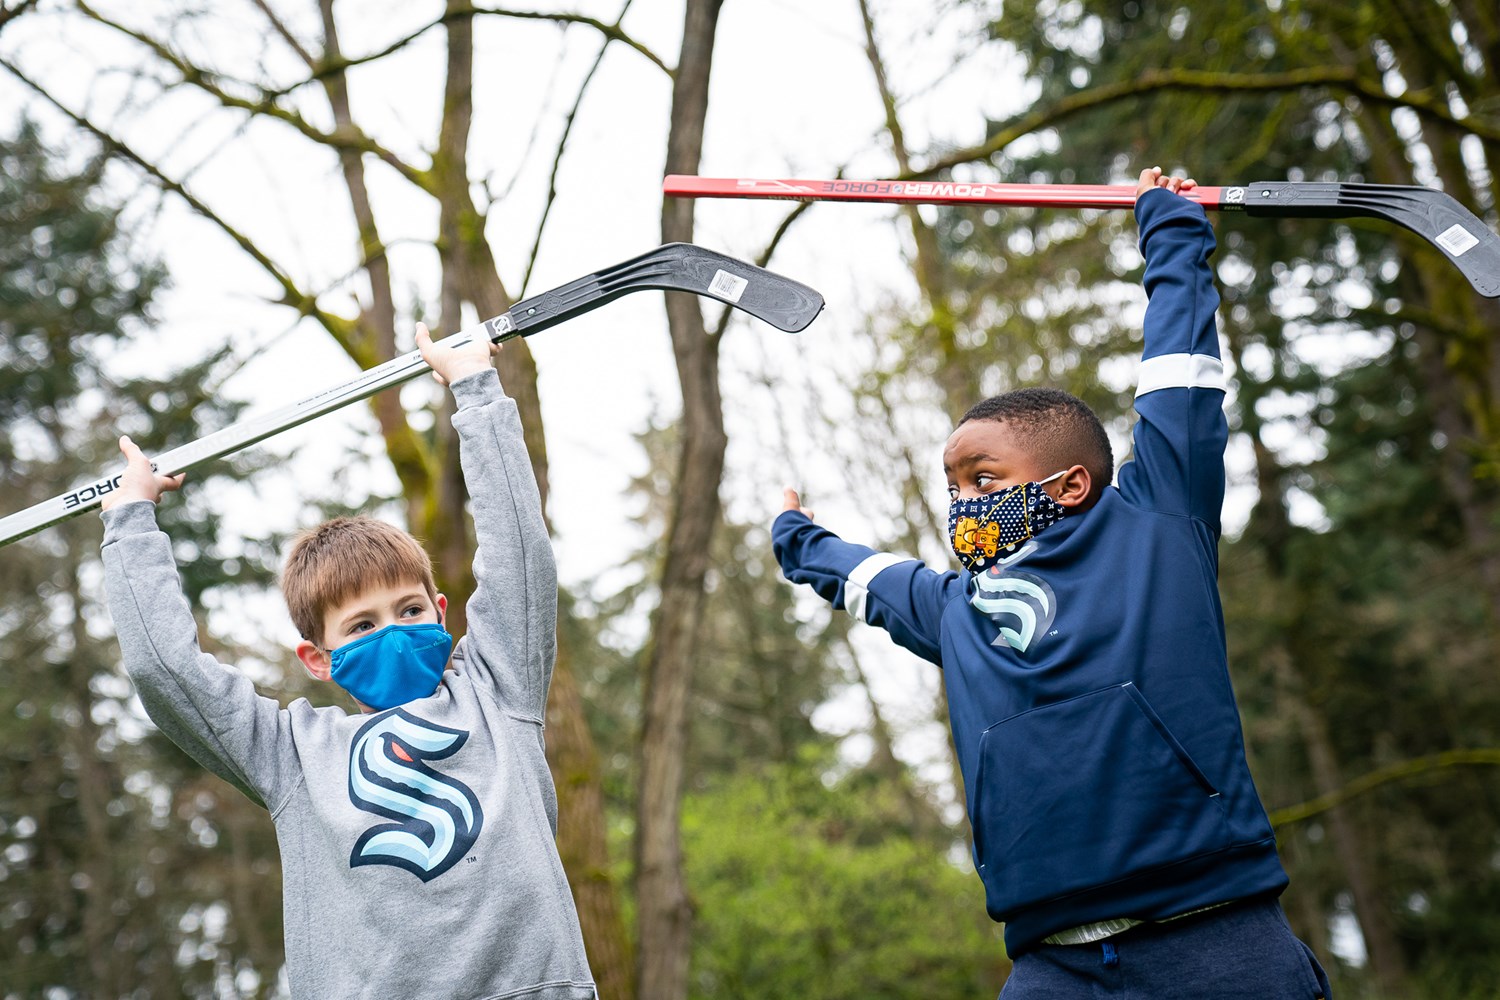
x,y
1057,428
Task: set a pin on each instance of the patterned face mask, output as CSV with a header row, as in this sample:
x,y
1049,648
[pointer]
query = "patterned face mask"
x,y
981,527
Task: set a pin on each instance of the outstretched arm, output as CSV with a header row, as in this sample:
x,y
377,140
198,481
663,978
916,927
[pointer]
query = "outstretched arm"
x,y
895,593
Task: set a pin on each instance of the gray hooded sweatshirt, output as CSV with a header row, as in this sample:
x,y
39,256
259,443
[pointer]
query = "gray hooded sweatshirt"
x,y
417,844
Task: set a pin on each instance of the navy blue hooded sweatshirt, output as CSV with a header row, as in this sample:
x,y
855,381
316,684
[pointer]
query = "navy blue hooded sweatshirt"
x,y
1103,763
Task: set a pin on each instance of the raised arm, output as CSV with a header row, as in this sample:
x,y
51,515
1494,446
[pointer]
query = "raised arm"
x,y
512,616
1178,461
209,710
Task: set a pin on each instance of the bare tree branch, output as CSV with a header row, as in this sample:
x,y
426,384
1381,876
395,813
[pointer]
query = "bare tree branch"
x,y
305,303
8,14
562,144
764,258
338,64
209,82
1400,771
611,32
1347,79
1410,312
281,29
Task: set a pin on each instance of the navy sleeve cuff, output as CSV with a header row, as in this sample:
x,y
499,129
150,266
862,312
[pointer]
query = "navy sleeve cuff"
x,y
1159,206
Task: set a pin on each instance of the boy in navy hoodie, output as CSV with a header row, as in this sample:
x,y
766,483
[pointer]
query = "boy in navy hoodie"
x,y
1116,827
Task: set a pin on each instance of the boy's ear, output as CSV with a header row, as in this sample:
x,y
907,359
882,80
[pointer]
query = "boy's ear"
x,y
442,606
314,659
1074,486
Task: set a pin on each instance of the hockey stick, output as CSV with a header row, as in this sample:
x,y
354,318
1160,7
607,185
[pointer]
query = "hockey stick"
x,y
1436,217
781,302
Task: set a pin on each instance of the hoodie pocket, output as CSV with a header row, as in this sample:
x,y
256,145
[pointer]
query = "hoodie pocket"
x,y
1086,792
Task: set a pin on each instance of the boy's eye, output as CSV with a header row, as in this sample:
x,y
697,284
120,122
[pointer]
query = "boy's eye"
x,y
360,627
952,492
413,611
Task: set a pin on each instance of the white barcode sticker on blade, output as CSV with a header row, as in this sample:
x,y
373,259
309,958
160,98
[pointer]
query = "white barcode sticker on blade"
x,y
1456,239
726,286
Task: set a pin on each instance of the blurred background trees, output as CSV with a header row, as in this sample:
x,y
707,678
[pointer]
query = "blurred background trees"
x,y
756,799
123,867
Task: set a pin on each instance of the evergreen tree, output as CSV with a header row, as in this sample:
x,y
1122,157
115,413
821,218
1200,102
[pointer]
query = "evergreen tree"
x,y
127,871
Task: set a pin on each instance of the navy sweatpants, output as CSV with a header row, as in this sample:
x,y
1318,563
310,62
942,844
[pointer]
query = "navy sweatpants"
x,y
1245,951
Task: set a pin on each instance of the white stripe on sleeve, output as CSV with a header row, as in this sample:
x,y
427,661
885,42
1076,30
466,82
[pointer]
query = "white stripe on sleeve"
x,y
1180,371
857,586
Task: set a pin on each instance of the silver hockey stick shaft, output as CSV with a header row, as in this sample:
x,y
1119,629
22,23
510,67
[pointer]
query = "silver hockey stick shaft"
x,y
247,432
772,298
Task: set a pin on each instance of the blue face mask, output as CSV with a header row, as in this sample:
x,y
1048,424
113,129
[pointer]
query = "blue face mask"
x,y
393,665
981,527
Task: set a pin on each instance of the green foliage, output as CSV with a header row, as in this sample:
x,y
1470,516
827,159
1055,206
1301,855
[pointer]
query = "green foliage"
x,y
804,887
760,676
800,888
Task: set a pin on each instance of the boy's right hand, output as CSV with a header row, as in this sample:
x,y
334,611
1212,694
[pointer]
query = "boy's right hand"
x,y
1152,177
791,501
139,481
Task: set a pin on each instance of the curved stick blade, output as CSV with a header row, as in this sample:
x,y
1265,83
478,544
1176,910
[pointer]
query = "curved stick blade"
x,y
1435,216
684,267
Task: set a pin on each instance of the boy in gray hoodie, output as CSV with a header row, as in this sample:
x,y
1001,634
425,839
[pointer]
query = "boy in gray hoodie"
x,y
417,837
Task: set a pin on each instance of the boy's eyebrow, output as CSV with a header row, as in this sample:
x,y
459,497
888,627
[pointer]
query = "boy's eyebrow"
x,y
353,616
368,610
970,460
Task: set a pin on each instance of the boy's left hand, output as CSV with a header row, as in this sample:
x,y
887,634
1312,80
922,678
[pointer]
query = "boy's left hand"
x,y
449,364
1152,177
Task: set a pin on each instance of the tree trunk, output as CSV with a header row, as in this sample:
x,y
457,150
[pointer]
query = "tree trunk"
x,y
1461,373
470,277
94,792
581,834
444,523
1350,842
1349,839
376,328
664,927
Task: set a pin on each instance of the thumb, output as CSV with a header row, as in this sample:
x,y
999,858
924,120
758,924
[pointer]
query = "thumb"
x,y
791,501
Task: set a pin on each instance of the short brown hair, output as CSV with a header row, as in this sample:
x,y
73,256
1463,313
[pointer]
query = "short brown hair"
x,y
339,559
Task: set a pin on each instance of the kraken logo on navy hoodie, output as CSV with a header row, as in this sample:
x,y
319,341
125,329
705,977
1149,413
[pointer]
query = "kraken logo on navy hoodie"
x,y
1103,763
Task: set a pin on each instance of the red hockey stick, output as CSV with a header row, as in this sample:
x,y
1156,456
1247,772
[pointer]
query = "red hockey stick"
x,y
1432,215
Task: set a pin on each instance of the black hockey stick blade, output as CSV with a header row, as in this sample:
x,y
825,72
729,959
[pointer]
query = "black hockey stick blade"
x,y
684,267
1433,215
779,301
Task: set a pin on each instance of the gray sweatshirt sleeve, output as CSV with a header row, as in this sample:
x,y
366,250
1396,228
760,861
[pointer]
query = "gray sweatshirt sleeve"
x,y
512,617
209,710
